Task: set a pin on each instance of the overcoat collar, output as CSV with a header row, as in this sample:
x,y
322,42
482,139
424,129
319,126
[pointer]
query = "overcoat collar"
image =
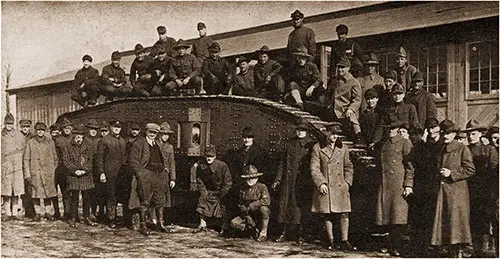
x,y
452,146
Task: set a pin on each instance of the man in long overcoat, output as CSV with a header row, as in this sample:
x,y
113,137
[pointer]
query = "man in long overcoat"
x,y
452,215
214,181
421,99
293,180
332,174
40,162
12,168
110,158
78,161
395,185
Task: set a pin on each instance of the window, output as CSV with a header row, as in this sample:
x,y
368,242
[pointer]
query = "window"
x,y
433,63
482,69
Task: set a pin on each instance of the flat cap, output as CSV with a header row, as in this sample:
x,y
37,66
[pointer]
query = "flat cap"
x,y
161,29
201,25
297,15
87,57
153,127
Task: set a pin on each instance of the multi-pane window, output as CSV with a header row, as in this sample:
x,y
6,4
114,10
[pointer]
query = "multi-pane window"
x,y
433,63
483,67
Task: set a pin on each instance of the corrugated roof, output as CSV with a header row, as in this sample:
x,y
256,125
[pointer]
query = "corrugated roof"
x,y
363,21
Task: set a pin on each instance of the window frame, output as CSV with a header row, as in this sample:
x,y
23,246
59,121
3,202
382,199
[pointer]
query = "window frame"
x,y
467,94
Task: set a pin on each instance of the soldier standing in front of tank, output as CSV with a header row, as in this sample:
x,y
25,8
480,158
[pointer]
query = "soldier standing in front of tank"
x,y
293,180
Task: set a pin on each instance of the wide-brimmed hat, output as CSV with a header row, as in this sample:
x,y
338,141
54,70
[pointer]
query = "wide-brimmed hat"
x,y
92,123
165,128
472,125
79,129
40,126
9,118
448,126
214,47
152,127
210,150
182,44
25,123
263,50
431,123
301,52
371,93
251,172
66,122
333,127
104,126
371,60
139,48
55,127
248,132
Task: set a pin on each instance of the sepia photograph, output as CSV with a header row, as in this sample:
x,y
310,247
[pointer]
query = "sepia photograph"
x,y
249,129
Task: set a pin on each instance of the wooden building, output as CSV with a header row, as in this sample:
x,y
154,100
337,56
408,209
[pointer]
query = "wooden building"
x,y
455,45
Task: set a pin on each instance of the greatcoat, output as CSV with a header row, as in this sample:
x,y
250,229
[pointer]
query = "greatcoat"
x,y
331,166
12,168
40,162
452,214
397,172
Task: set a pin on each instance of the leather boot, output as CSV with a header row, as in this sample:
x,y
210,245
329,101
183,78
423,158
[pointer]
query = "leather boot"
x,y
143,229
300,234
263,232
282,237
160,226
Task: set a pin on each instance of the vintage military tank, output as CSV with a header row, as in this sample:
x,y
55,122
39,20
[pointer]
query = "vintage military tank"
x,y
219,120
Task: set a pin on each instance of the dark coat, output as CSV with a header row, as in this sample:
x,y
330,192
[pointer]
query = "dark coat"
x,y
217,72
301,36
485,159
397,172
452,215
110,156
256,156
243,84
424,104
40,162
140,67
79,157
368,120
261,71
214,182
89,76
185,66
294,178
168,45
163,66
200,47
405,74
352,50
404,112
110,71
332,167
305,76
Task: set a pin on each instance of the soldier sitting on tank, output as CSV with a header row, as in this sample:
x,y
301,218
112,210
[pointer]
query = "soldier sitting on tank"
x,y
267,76
305,79
184,71
86,84
141,74
254,204
243,82
160,67
217,71
113,79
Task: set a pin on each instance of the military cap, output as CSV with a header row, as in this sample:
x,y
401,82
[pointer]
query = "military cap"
x,y
371,93
116,55
79,129
297,15
251,171
92,123
153,127
87,57
397,124
135,126
248,132
302,51
40,126
401,52
182,44
66,122
391,74
398,89
264,49
201,25
342,29
161,29
9,118
431,122
461,135
492,130
472,125
344,62
417,77
448,126
104,126
165,128
214,47
242,59
55,127
139,48
333,127
25,123
115,123
162,50
302,125
210,150
371,60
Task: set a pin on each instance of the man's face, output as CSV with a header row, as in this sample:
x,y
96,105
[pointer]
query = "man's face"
x,y
67,130
301,60
162,56
151,134
297,22
115,130
243,66
214,54
263,58
404,133
372,102
401,61
54,133
134,132
140,56
92,132
247,141
449,137
418,85
78,138
301,133
434,132
342,71
252,181
342,36
398,97
474,136
25,129
494,139
116,62
332,137
163,37
9,126
104,133
372,69
86,64
462,140
389,83
164,137
40,132
182,51
210,159
202,32
393,132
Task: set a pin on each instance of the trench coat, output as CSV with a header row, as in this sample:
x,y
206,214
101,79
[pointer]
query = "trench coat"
x,y
333,168
12,168
39,163
294,178
214,182
451,219
110,156
397,172
139,159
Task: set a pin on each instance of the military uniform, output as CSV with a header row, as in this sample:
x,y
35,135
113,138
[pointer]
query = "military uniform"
x,y
89,78
183,67
344,93
118,75
216,73
275,88
214,181
424,105
396,112
302,77
200,48
141,74
243,84
161,68
12,171
168,45
352,50
301,36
